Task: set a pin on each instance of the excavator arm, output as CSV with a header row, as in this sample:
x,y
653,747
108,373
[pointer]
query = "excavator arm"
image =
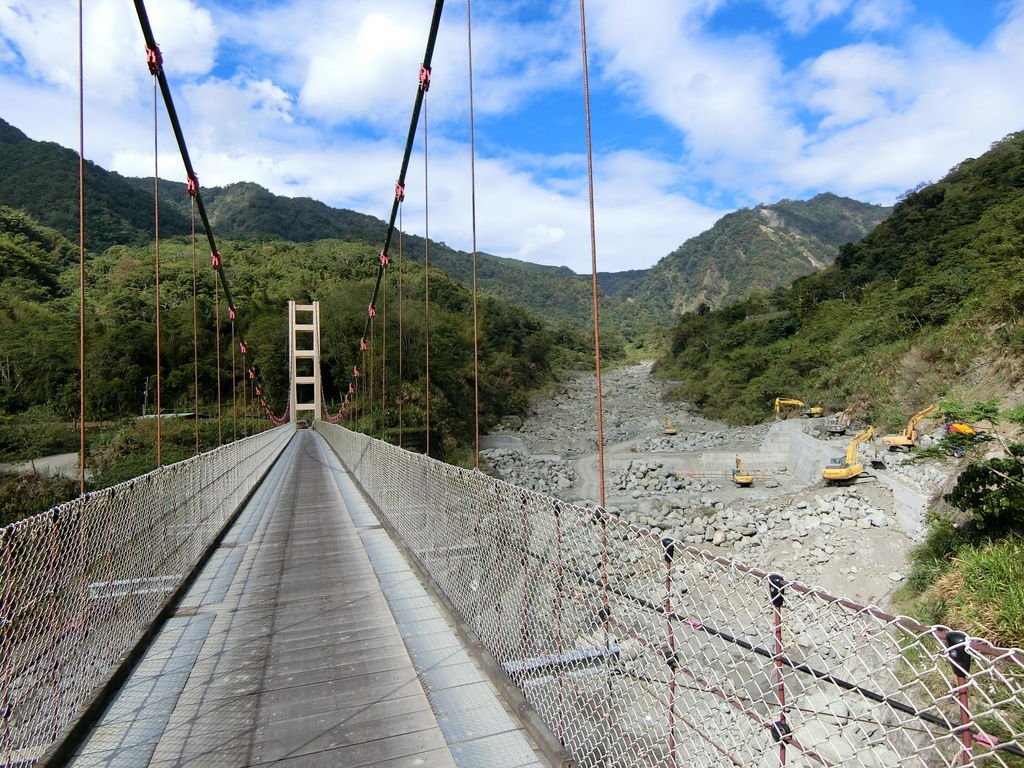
x,y
851,450
908,437
844,469
781,401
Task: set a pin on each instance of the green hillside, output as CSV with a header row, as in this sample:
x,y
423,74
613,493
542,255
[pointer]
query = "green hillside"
x,y
770,243
41,178
754,249
39,331
928,305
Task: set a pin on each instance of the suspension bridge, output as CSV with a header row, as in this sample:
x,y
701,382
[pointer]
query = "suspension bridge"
x,y
321,597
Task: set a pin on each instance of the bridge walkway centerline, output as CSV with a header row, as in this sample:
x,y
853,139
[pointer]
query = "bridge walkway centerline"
x,y
307,640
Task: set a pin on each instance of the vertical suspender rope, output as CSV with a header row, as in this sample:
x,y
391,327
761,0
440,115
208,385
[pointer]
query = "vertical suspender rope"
x,y
383,355
156,289
602,514
426,273
371,401
593,254
234,399
81,252
401,340
195,328
472,197
216,328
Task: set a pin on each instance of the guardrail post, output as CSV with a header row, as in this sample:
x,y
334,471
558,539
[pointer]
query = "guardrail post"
x,y
669,546
780,729
960,660
525,562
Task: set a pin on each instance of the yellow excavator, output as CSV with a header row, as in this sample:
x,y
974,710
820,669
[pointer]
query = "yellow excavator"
x,y
740,476
670,427
838,422
908,437
844,469
805,409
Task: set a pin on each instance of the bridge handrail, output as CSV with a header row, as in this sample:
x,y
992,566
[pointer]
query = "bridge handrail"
x,y
639,650
82,583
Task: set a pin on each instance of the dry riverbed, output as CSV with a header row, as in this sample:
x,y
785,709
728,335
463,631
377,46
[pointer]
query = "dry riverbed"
x,y
846,540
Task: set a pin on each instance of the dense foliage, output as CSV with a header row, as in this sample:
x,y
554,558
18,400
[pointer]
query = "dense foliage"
x,y
928,305
39,331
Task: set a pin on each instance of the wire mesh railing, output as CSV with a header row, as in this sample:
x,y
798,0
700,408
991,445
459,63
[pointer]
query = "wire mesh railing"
x,y
637,650
81,583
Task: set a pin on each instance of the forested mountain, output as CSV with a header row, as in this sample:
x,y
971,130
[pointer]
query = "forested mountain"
x,y
751,250
41,178
761,248
928,305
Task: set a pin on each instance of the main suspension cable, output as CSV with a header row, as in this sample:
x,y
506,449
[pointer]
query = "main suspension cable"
x,y
155,62
424,85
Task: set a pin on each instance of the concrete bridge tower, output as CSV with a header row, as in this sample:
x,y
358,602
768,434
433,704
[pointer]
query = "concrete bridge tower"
x,y
304,354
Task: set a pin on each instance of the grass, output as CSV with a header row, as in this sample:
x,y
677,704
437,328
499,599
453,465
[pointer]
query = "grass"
x,y
983,592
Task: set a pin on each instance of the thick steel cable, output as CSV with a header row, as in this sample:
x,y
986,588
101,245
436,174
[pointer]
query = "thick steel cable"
x,y
81,250
195,326
383,356
472,198
426,274
155,62
593,253
156,288
424,85
428,55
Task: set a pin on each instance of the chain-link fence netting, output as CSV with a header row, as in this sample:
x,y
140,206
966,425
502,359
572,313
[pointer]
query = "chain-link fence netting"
x,y
638,650
80,584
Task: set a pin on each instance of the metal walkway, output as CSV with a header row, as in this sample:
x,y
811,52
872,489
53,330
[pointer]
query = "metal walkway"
x,y
307,640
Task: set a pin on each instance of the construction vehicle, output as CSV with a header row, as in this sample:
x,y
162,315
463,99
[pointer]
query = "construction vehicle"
x,y
838,422
805,409
670,427
740,476
845,469
908,437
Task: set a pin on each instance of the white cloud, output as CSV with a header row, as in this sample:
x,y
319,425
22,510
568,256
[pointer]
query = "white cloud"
x,y
312,97
355,77
856,83
863,119
725,95
876,15
45,36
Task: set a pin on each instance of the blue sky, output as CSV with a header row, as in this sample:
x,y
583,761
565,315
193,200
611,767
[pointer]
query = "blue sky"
x,y
699,106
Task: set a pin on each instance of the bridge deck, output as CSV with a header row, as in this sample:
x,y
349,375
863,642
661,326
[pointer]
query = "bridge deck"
x,y
307,640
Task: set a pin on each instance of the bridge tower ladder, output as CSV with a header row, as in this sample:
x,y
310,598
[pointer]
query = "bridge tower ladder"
x,y
304,354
